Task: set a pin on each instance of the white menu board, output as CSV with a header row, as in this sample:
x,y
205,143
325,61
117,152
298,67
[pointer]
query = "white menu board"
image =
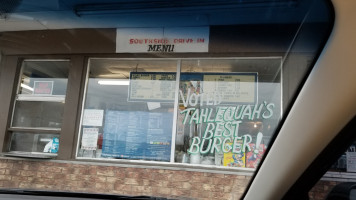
x,y
232,87
152,86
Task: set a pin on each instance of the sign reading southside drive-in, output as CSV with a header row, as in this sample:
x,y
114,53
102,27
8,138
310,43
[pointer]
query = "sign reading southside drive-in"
x,y
162,40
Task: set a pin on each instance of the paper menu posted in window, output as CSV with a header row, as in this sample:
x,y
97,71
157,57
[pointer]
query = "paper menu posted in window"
x,y
137,135
153,105
93,117
90,138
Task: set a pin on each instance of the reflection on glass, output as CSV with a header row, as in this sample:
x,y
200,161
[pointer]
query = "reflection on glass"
x,y
345,162
44,77
37,114
128,110
30,142
41,95
39,105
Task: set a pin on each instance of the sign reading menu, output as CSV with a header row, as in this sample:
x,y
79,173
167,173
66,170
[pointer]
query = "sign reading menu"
x,y
162,40
152,86
137,135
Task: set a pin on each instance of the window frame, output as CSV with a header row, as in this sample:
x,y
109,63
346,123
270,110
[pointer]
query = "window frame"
x,y
172,163
22,97
12,66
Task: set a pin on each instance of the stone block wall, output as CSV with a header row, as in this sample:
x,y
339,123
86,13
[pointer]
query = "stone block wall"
x,y
115,179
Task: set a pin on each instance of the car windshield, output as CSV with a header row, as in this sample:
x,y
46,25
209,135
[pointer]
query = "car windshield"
x,y
174,99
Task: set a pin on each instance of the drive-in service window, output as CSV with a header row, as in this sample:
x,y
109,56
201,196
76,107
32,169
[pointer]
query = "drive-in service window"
x,y
201,111
177,99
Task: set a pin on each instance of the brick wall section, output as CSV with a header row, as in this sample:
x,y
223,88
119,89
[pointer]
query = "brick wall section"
x,y
46,175
321,190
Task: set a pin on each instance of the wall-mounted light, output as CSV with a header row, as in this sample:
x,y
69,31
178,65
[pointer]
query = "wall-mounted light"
x,y
26,87
114,82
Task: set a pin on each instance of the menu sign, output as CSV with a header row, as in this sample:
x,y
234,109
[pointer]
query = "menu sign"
x,y
221,87
162,40
93,117
90,138
152,86
137,135
217,88
232,87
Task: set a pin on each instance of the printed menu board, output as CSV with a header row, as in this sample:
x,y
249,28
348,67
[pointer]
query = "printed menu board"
x,y
152,86
232,87
137,135
160,86
223,87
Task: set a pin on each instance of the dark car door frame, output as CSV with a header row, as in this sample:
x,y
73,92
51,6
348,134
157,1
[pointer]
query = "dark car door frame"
x,y
320,112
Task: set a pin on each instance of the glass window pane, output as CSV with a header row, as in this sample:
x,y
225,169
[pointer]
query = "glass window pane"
x,y
128,111
30,142
341,172
227,108
44,77
41,95
37,114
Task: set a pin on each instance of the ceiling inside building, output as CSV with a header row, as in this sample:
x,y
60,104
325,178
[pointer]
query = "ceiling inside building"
x,y
19,15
